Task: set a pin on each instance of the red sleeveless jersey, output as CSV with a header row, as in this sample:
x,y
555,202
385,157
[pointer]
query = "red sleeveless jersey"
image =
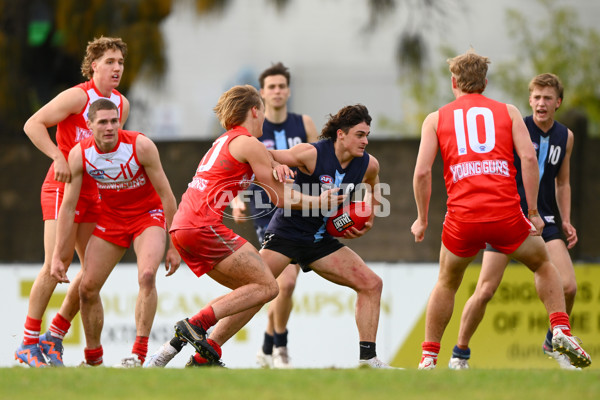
x,y
125,189
219,178
74,129
476,143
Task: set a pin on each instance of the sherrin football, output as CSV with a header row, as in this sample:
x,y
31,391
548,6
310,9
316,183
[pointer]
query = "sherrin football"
x,y
354,214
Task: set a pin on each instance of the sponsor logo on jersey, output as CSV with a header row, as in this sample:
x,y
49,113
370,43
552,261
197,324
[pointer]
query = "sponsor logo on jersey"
x,y
97,173
474,168
81,133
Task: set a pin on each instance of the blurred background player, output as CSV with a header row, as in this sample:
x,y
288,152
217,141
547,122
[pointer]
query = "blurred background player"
x,y
554,144
103,65
137,208
477,138
281,130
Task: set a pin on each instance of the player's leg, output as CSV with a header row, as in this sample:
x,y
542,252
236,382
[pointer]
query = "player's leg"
x,y
345,267
534,254
492,269
559,255
441,304
252,285
51,341
100,259
279,311
149,247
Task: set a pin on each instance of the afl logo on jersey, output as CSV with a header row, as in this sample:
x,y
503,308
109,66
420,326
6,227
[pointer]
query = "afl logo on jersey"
x,y
326,179
269,144
96,173
536,146
326,182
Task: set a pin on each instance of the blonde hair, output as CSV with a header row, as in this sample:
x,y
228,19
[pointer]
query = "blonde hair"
x,y
233,105
547,80
470,70
96,49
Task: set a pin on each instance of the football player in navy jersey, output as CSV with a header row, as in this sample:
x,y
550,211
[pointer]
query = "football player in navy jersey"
x,y
339,159
553,142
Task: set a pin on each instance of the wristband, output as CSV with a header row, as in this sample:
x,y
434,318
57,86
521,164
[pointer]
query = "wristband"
x,y
533,213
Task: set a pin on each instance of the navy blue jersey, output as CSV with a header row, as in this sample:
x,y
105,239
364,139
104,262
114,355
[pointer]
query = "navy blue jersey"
x,y
275,137
328,173
550,148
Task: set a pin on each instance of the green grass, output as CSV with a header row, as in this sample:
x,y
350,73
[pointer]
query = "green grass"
x,y
222,384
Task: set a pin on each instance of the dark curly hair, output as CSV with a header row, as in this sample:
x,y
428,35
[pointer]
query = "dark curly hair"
x,y
345,119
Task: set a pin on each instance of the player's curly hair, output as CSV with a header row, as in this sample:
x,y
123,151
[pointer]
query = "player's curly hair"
x,y
345,119
470,70
233,105
275,69
96,49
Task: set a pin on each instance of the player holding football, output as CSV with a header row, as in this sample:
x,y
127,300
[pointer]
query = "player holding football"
x,y
103,65
337,161
477,138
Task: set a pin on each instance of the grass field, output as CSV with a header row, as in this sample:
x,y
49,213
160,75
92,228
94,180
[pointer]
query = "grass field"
x,y
314,384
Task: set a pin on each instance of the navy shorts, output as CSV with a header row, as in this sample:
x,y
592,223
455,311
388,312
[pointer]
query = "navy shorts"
x,y
303,254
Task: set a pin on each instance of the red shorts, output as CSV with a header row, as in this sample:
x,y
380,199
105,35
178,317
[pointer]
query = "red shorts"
x,y
203,248
122,231
465,239
87,208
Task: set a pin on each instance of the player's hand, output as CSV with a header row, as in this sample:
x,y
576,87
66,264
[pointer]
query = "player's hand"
x,y
418,229
329,200
354,233
283,173
571,234
238,210
62,172
172,261
538,225
58,271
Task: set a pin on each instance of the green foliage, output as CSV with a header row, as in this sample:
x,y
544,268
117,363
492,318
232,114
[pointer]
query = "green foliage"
x,y
553,41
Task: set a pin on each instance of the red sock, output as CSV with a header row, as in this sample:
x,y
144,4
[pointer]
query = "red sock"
x,y
430,349
201,360
561,320
59,327
205,318
32,331
93,356
140,347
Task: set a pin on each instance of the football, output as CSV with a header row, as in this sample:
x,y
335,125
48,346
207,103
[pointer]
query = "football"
x,y
354,214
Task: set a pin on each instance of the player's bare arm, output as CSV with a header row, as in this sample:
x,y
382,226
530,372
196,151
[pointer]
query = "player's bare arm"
x,y
422,177
310,129
70,101
303,156
250,150
148,156
529,167
125,111
563,194
65,239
